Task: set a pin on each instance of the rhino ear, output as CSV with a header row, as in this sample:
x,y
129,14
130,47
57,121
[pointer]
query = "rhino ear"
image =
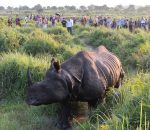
x,y
52,62
56,65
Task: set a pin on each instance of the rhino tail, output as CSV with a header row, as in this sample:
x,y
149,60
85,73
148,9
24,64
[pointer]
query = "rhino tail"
x,y
119,82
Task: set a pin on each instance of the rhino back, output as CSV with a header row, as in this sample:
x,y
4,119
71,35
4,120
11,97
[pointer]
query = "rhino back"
x,y
96,70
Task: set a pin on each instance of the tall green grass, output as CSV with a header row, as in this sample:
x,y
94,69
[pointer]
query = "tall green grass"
x,y
129,109
125,109
13,69
131,48
18,116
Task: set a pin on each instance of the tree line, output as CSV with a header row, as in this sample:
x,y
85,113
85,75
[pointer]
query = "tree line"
x,y
82,7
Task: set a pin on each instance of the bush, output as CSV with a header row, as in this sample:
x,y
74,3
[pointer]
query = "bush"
x,y
37,46
11,39
13,69
57,31
26,30
131,48
127,110
40,43
2,23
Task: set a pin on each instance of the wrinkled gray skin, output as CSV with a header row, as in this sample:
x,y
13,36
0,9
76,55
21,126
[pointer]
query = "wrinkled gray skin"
x,y
84,77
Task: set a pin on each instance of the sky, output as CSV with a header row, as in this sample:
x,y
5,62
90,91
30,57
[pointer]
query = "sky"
x,y
77,3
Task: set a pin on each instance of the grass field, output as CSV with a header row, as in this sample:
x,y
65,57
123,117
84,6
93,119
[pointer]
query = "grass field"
x,y
34,47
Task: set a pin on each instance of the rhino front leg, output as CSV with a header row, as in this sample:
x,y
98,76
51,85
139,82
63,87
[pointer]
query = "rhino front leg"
x,y
65,116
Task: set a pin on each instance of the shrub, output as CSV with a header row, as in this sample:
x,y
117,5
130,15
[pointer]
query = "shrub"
x,y
57,31
40,43
37,46
13,69
11,39
26,30
129,110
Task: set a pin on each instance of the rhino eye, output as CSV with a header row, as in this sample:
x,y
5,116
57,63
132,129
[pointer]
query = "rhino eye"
x,y
32,98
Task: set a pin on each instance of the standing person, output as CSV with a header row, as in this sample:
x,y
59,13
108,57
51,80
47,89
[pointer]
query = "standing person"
x,y
84,20
69,26
36,19
131,25
143,23
125,23
26,19
109,22
100,21
146,24
31,17
114,24
45,22
118,24
149,24
139,23
136,23
95,22
40,21
53,21
18,21
90,21
10,21
74,19
63,22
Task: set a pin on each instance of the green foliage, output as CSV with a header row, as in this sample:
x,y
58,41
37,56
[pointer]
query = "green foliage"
x,y
124,109
11,39
2,23
57,31
26,30
13,69
19,116
40,43
131,48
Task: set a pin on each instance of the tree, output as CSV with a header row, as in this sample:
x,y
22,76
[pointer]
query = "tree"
x,y
44,8
54,7
2,8
131,8
91,7
38,8
119,7
24,7
9,8
82,7
72,7
145,9
104,7
61,8
16,8
48,7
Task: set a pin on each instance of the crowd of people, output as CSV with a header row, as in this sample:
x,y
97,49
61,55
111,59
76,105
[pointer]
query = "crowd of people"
x,y
68,22
113,23
42,21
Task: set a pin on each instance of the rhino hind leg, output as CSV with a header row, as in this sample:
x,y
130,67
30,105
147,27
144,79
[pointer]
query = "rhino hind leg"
x,y
93,103
119,83
65,117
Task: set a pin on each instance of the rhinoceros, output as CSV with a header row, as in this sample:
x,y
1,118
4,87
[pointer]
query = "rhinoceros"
x,y
84,77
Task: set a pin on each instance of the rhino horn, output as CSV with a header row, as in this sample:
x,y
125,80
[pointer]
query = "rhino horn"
x,y
29,80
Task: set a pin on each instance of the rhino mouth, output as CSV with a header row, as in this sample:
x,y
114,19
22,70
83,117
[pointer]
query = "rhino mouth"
x,y
33,102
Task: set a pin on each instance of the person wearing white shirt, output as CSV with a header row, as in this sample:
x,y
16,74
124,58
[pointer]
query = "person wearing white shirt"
x,y
69,25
